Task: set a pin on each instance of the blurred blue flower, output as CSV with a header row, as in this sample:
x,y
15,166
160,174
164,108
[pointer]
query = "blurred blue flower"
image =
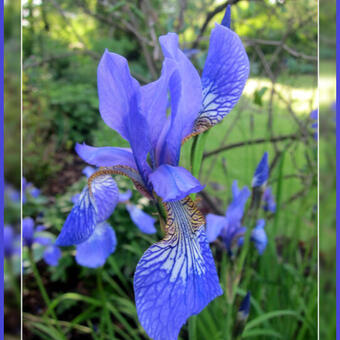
x,y
269,200
98,247
244,309
261,173
52,254
258,237
314,115
176,277
28,188
30,234
11,242
11,193
229,227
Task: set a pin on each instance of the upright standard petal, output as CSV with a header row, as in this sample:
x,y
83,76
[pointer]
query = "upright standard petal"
x,y
189,101
155,100
176,277
174,183
186,97
225,73
116,87
106,156
215,224
93,206
52,255
141,219
93,252
262,172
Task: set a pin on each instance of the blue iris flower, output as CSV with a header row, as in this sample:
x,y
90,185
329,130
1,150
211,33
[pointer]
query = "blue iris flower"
x,y
314,115
261,173
268,200
11,242
31,235
229,227
176,277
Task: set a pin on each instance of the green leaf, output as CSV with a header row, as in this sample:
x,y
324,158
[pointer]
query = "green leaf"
x,y
271,315
261,332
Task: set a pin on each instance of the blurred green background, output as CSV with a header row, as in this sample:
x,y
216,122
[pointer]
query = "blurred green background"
x,y
62,44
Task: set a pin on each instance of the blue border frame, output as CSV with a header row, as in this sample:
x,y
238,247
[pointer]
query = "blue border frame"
x,y
2,172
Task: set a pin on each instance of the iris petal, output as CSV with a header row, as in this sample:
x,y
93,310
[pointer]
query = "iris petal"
x,y
106,156
80,223
174,183
141,219
154,100
215,224
176,277
225,73
116,87
91,208
52,255
186,98
105,193
94,251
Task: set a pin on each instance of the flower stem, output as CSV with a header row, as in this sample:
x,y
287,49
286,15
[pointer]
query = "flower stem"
x,y
44,293
196,155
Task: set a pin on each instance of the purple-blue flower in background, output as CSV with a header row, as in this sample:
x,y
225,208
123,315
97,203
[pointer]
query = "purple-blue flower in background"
x,y
31,235
11,193
11,242
261,173
52,254
28,188
176,277
258,237
229,227
314,116
268,200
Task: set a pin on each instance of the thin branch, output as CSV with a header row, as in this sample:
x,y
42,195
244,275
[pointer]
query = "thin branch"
x,y
209,17
293,136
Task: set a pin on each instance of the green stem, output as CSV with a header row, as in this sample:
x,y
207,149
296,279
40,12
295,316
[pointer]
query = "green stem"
x,y
106,312
196,155
44,293
193,328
